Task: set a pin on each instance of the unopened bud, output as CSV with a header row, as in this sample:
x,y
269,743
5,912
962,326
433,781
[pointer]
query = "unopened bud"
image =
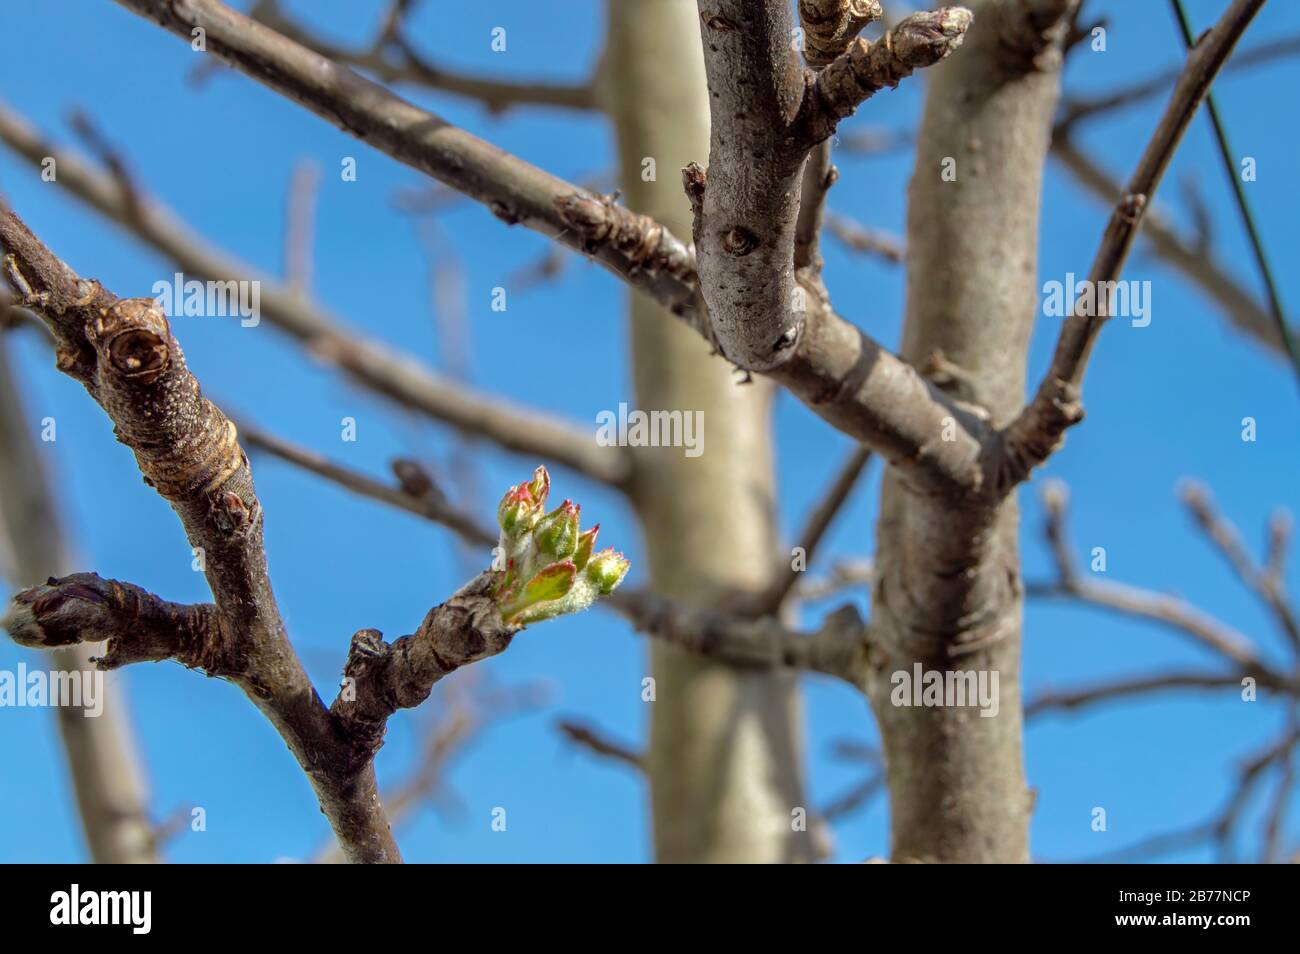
x,y
519,510
606,570
556,535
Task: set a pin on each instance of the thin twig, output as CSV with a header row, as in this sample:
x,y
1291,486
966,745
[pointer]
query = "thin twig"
x,y
859,238
1040,428
1243,205
1238,304
810,537
1223,534
393,59
430,506
367,361
300,219
1168,610
592,739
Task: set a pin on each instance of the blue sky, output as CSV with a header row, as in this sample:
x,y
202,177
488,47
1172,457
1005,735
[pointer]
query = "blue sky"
x,y
1165,402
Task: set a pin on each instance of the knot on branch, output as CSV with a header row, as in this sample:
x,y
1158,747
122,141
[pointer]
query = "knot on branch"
x,y
643,242
182,442
830,25
134,336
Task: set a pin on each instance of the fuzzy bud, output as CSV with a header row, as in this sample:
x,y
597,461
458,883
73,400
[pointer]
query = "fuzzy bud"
x,y
606,570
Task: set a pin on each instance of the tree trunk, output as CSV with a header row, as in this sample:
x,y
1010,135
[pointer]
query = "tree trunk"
x,y
106,774
724,758
948,592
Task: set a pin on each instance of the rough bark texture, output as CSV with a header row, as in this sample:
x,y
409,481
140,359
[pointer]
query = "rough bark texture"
x,y
368,361
724,758
767,114
107,777
123,351
838,371
948,591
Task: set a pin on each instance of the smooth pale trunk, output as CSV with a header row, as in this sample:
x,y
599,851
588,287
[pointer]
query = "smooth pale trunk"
x,y
107,776
724,758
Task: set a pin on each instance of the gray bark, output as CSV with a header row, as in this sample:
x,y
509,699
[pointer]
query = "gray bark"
x,y
948,592
724,760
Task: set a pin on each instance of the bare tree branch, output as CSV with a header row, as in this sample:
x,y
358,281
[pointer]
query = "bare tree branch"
x,y
515,191
1237,303
595,741
855,798
1168,610
1076,110
765,121
814,529
847,378
1126,687
858,238
123,351
430,506
837,649
1267,586
392,58
819,174
1041,426
831,25
367,361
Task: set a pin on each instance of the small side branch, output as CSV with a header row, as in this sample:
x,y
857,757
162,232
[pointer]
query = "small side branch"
x,y
1170,611
1145,685
393,59
370,363
1040,428
138,626
1257,577
427,505
865,68
598,743
810,538
838,648
381,677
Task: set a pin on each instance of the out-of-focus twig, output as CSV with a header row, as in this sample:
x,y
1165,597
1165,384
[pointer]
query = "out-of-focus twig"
x,y
859,238
1229,161
1175,613
300,226
1257,578
769,600
599,743
393,59
431,506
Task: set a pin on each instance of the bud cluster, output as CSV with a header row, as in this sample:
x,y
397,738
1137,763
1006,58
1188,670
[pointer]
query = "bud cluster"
x,y
552,567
